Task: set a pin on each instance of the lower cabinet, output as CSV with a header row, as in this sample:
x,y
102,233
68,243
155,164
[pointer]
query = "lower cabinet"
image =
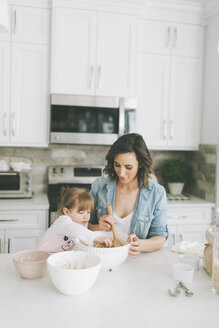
x,y
188,224
21,230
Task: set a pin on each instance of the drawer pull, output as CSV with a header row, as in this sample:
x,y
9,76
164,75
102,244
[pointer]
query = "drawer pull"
x,y
0,245
9,220
9,245
177,217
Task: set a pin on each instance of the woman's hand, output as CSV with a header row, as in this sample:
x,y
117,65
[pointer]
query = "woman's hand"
x,y
106,222
134,248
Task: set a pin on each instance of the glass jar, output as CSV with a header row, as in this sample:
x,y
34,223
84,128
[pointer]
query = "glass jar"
x,y
215,263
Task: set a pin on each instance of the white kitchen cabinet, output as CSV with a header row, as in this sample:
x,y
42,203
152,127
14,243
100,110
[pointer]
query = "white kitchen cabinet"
x,y
29,87
93,52
169,84
30,25
25,79
188,222
20,230
167,38
4,90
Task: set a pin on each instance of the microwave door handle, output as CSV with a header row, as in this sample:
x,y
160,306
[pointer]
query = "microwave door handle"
x,y
8,173
121,117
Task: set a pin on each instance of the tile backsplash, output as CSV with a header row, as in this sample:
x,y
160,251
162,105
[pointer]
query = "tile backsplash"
x,y
203,163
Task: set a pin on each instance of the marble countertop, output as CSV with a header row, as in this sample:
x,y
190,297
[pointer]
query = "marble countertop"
x,y
37,202
192,202
133,295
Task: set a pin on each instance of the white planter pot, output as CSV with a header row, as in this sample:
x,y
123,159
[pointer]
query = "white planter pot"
x,y
175,188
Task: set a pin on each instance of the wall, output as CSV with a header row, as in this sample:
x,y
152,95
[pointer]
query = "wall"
x,y
203,163
210,130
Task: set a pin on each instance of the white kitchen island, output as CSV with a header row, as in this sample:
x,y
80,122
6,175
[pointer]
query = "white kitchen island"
x,y
133,295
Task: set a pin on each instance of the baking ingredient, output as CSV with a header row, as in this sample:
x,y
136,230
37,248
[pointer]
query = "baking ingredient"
x,y
207,258
215,266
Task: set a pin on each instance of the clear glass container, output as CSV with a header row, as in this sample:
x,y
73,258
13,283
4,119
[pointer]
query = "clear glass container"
x,y
215,263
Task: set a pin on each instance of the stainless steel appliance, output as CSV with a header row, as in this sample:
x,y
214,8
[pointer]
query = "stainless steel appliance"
x,y
69,176
93,120
16,184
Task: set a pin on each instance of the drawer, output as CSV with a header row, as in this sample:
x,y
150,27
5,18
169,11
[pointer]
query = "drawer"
x,y
189,216
24,219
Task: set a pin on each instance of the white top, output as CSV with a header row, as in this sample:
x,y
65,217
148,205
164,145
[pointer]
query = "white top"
x,y
123,224
62,234
136,293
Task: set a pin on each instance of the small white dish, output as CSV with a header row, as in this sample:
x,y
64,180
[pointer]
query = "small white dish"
x,y
183,272
190,259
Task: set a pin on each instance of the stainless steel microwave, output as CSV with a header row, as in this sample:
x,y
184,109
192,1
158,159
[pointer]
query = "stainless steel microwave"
x,y
90,120
16,184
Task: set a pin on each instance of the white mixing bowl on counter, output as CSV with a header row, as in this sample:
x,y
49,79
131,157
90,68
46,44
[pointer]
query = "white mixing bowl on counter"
x,y
111,257
73,272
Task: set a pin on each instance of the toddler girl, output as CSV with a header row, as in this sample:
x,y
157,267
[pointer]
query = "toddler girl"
x,y
74,213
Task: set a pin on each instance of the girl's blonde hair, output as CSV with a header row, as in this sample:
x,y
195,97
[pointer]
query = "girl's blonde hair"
x,y
75,198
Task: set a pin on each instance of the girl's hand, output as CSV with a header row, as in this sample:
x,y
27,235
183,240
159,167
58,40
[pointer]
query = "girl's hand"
x,y
106,222
106,241
134,248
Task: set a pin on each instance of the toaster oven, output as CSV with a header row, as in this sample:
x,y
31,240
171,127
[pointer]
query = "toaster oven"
x,y
16,184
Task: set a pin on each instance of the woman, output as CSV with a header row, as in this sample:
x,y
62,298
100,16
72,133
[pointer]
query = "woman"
x,y
139,204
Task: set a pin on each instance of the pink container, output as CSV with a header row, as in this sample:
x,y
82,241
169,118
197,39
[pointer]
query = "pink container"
x,y
30,264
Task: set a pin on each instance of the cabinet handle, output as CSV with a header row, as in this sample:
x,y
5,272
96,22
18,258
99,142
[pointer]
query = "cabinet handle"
x,y
92,76
15,21
173,239
175,37
0,245
9,245
9,220
180,237
177,217
5,124
99,77
171,130
168,36
13,123
165,129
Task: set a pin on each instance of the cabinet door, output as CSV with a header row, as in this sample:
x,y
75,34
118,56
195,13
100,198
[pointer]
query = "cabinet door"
x,y
73,51
185,103
29,95
116,54
30,25
153,90
18,240
6,36
2,238
191,233
172,238
188,40
4,91
155,37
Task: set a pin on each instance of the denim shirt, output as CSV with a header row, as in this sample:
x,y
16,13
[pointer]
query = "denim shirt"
x,y
150,213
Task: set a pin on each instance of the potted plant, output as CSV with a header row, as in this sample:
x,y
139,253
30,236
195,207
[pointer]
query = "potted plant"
x,y
176,173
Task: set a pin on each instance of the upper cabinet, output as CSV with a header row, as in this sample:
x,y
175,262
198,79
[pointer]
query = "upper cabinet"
x,y
170,84
93,52
24,81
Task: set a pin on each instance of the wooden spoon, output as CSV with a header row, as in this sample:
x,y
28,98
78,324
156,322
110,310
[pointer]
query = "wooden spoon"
x,y
116,241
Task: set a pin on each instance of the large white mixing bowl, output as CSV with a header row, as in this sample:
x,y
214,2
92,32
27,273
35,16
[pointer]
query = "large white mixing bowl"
x,y
111,257
73,272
